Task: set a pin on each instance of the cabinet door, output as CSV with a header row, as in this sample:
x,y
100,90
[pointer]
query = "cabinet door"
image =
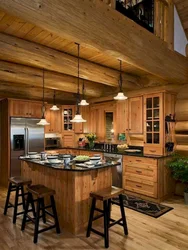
x,y
55,121
121,116
78,128
48,119
153,124
35,110
68,140
135,120
67,115
19,108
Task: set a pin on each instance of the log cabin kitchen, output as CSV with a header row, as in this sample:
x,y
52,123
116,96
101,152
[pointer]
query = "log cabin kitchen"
x,y
94,124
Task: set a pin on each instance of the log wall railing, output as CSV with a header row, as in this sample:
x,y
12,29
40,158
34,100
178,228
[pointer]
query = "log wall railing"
x,y
163,19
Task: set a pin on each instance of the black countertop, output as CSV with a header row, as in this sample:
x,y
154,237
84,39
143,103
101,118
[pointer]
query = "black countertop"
x,y
140,154
70,167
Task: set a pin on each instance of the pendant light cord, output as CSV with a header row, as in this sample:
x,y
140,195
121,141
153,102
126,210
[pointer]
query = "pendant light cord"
x,y
120,77
43,90
78,90
83,91
54,97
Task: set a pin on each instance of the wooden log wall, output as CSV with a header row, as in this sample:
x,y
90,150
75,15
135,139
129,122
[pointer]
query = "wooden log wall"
x,y
181,127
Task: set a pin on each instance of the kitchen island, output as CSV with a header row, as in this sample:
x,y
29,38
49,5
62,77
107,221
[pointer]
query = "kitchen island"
x,y
72,185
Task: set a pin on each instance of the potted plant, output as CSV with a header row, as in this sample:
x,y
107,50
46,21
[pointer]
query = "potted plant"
x,y
179,168
91,138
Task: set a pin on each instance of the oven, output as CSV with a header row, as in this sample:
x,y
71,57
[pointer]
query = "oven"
x,y
51,143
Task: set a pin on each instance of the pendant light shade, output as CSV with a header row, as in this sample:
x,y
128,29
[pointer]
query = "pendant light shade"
x,y
54,107
120,96
43,121
78,117
83,101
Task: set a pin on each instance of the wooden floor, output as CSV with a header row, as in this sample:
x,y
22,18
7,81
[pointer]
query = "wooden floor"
x,y
169,232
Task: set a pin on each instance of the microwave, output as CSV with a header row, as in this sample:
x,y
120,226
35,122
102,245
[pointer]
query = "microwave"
x,y
52,142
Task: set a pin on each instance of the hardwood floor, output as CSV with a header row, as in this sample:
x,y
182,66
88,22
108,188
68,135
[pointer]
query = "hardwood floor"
x,y
169,232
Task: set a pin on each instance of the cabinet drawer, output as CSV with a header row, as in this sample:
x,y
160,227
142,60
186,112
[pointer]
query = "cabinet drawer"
x,y
152,150
146,170
127,160
148,189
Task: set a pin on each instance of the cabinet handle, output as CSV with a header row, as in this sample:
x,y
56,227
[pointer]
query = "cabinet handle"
x,y
138,171
138,186
153,151
138,160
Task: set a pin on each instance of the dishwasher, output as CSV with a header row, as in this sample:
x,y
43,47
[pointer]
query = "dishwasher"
x,y
116,171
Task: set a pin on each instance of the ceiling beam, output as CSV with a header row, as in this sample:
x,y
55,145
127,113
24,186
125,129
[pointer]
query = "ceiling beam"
x,y
18,73
29,53
96,24
22,91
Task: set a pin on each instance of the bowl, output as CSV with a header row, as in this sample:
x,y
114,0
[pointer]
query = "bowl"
x,y
52,158
95,159
32,153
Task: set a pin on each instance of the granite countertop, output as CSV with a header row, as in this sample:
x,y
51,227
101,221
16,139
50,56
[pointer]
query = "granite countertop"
x,y
140,154
70,167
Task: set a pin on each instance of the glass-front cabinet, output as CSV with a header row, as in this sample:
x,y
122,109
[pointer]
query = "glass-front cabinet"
x,y
67,117
153,124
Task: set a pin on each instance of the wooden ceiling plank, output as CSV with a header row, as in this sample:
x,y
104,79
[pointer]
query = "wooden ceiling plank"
x,y
107,33
28,53
32,76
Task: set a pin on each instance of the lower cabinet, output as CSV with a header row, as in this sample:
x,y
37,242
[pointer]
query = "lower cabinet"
x,y
147,177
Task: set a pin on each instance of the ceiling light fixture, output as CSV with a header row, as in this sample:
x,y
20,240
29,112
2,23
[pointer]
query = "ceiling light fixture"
x,y
43,121
120,96
78,117
54,107
83,101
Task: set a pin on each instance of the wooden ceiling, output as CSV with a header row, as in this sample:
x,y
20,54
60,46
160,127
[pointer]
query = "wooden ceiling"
x,y
182,8
27,48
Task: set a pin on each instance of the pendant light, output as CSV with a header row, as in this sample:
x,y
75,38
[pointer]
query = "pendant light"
x,y
83,101
43,121
54,107
120,96
78,117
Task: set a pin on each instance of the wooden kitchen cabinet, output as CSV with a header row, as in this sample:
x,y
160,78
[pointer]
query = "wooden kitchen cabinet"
x,y
54,118
83,128
135,115
129,116
22,108
147,177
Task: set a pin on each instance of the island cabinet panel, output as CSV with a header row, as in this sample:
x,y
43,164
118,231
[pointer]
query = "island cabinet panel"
x,y
21,108
54,118
147,177
72,191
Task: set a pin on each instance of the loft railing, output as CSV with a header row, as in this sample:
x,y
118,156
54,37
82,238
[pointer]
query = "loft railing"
x,y
157,16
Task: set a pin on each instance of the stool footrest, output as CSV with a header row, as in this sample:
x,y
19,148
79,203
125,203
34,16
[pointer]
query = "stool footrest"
x,y
97,232
114,222
99,210
46,229
50,214
98,217
115,203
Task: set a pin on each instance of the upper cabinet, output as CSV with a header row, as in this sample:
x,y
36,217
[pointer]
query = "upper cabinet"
x,y
67,115
135,115
54,118
158,130
81,128
129,116
21,108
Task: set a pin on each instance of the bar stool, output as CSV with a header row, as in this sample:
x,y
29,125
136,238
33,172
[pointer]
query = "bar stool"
x,y
106,195
40,192
17,184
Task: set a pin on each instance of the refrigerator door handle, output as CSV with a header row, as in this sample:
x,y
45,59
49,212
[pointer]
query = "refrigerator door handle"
x,y
25,141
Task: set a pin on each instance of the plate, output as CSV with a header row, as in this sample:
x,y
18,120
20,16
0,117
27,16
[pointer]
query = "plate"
x,y
132,150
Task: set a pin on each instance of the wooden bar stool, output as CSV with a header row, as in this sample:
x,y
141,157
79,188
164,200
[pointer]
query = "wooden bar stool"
x,y
106,195
40,192
16,184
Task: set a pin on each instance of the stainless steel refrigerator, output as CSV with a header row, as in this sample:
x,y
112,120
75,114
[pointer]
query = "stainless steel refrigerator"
x,y
26,136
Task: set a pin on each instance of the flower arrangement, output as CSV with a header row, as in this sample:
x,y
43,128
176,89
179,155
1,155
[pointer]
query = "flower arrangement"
x,y
91,136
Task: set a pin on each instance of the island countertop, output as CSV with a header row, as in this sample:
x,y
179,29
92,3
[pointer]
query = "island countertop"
x,y
70,167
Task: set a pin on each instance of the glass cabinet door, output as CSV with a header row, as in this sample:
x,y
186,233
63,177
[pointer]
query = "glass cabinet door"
x,y
152,120
67,116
